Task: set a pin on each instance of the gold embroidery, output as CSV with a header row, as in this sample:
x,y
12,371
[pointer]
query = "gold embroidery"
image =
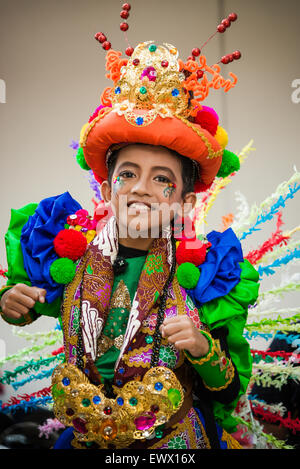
x,y
137,363
208,356
232,443
121,297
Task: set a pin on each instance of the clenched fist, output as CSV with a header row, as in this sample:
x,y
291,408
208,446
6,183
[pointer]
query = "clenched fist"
x,y
18,300
180,331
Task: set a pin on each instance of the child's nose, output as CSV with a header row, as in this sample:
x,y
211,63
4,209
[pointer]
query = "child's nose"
x,y
141,186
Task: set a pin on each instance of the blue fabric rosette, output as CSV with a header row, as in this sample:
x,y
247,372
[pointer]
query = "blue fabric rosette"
x,y
220,272
37,239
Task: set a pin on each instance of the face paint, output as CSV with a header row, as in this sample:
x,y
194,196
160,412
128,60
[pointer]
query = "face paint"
x,y
117,183
168,191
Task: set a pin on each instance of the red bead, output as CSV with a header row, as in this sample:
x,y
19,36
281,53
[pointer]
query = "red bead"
x,y
237,55
164,63
232,17
106,45
124,26
200,73
221,28
191,57
196,52
225,59
136,62
129,51
126,6
226,22
124,14
230,57
100,37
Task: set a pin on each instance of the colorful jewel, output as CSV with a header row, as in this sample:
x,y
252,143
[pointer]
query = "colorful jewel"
x,y
152,48
133,401
158,386
175,92
120,401
121,370
86,402
154,408
79,425
107,410
69,412
145,421
108,429
65,381
143,90
149,339
174,396
136,62
164,63
96,400
139,121
118,90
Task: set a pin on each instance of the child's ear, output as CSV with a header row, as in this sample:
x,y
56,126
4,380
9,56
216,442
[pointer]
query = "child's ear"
x,y
105,190
188,203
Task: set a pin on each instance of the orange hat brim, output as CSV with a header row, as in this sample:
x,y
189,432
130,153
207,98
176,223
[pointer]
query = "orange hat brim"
x,y
184,137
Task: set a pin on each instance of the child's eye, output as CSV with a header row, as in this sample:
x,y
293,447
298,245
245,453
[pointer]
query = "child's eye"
x,y
126,174
162,179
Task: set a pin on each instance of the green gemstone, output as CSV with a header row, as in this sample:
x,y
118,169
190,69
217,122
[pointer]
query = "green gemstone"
x,y
149,339
133,401
159,433
86,402
174,396
152,48
143,90
89,269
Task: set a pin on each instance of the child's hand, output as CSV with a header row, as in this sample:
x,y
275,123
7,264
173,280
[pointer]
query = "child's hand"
x,y
19,299
181,332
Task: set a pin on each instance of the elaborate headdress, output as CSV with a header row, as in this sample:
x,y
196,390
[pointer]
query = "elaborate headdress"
x,y
156,99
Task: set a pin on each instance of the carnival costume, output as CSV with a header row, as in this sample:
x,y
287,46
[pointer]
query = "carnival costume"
x,y
121,385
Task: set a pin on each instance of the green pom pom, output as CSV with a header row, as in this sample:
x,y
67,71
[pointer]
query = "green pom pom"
x,y
81,160
63,270
230,164
188,275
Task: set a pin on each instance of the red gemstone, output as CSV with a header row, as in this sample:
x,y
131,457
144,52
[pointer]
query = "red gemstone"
x,y
191,57
107,410
124,26
221,28
226,22
129,51
164,63
126,6
106,45
154,408
237,55
124,14
232,17
70,412
79,425
225,59
230,56
196,52
200,73
136,62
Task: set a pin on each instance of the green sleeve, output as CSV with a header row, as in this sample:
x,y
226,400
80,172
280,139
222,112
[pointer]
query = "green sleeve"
x,y
231,311
16,272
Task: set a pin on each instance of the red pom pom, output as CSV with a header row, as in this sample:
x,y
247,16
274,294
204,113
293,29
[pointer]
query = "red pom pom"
x,y
208,119
70,243
193,251
201,187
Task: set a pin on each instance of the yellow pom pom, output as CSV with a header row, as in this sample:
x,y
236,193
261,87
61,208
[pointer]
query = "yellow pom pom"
x,y
82,133
221,137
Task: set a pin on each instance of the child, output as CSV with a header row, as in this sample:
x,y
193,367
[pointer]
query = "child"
x,y
152,317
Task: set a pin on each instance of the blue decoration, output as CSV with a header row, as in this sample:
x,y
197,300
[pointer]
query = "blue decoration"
x,y
268,215
220,272
158,386
120,401
42,375
96,400
118,90
139,121
119,382
37,241
121,370
65,381
268,269
175,92
34,403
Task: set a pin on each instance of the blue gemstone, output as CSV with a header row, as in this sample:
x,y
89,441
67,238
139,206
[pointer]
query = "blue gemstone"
x,y
121,370
119,382
175,92
120,401
158,386
96,400
118,90
139,121
65,381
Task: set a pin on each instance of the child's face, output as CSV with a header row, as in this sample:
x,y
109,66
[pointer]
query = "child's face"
x,y
146,191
